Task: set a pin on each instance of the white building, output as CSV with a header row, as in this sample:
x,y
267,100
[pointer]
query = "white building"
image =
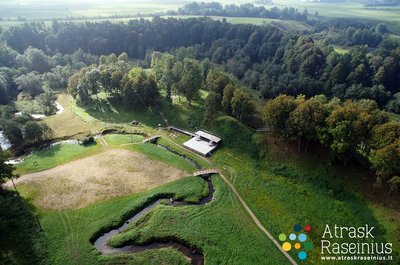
x,y
202,143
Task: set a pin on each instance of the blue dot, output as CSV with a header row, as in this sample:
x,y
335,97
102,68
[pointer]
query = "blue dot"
x,y
292,237
302,237
297,228
302,255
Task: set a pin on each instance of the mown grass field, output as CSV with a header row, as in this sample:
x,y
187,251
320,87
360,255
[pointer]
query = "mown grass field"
x,y
162,155
109,174
67,124
54,156
109,115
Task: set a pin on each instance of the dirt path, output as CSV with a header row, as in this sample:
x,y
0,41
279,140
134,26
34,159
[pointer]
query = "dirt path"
x,y
99,135
255,219
163,117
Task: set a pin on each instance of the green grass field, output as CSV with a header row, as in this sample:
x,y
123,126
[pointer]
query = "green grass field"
x,y
74,8
340,49
75,128
232,239
106,115
162,155
69,232
120,139
347,10
54,156
297,189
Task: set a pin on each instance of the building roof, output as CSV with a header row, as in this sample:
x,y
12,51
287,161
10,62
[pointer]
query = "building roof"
x,y
208,136
200,146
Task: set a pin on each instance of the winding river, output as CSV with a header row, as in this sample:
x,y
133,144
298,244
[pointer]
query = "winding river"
x,y
196,257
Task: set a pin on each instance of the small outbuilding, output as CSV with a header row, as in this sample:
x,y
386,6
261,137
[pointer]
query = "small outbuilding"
x,y
202,143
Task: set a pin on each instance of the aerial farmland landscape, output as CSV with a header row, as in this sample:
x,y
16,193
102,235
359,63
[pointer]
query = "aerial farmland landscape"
x,y
199,132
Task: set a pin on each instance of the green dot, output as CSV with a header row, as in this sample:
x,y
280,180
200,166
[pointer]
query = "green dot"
x,y
308,245
282,237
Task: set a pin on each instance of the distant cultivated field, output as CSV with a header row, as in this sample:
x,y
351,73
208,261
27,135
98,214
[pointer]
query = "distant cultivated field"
x,y
90,8
93,10
388,15
282,24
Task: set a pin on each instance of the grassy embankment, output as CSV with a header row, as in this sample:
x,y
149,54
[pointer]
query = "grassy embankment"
x,y
286,187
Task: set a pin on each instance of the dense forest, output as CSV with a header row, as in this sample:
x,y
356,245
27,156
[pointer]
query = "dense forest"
x,y
264,58
37,60
28,83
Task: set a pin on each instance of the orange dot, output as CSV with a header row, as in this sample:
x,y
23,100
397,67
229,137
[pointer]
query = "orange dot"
x,y
286,246
297,246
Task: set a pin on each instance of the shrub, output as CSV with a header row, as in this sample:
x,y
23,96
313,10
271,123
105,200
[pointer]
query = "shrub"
x,y
88,141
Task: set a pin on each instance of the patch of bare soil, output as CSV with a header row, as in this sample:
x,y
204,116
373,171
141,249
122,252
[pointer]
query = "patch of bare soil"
x,y
106,175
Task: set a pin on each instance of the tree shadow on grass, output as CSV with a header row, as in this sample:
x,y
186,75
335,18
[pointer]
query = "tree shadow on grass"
x,y
113,111
21,237
329,186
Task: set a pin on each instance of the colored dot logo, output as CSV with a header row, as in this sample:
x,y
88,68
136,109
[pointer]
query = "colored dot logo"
x,y
302,237
287,246
282,237
302,255
297,241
